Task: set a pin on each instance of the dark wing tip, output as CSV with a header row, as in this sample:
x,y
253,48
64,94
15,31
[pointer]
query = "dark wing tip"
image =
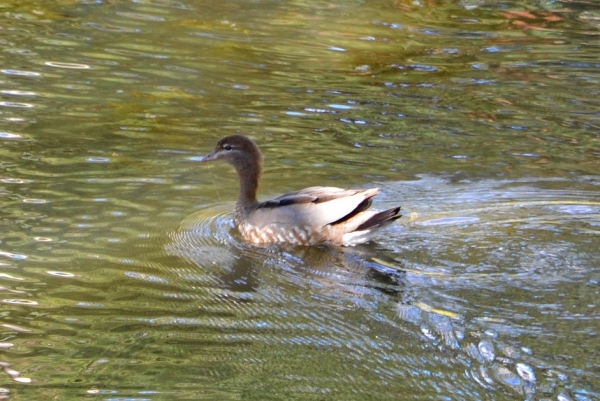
x,y
380,218
362,206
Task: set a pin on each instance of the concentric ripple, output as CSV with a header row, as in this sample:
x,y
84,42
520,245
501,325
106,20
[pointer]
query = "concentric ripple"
x,y
202,236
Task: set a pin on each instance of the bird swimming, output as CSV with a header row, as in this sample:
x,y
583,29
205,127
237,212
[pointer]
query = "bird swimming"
x,y
309,216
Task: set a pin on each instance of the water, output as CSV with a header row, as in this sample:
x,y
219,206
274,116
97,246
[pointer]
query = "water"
x,y
122,275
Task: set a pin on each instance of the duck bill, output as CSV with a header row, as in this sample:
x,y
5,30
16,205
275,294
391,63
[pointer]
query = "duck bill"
x,y
210,157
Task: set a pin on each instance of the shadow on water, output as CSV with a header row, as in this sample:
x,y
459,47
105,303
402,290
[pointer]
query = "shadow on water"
x,y
209,238
459,295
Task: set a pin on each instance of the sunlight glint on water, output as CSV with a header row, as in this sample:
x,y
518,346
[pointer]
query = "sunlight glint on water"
x,y
121,272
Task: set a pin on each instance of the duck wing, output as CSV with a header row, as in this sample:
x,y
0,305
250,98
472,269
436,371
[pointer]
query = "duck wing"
x,y
313,207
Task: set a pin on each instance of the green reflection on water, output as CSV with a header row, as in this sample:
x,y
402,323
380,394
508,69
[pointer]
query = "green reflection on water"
x,y
120,272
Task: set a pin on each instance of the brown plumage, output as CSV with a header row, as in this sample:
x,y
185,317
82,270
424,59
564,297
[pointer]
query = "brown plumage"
x,y
307,217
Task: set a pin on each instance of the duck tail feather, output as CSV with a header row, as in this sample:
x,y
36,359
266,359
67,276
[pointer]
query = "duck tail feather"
x,y
381,218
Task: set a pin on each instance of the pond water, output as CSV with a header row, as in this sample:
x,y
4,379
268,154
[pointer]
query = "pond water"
x,y
123,277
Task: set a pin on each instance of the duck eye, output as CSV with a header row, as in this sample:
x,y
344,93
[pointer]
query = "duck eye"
x,y
227,147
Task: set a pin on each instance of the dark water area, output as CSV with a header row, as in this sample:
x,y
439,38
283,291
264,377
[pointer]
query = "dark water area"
x,y
122,275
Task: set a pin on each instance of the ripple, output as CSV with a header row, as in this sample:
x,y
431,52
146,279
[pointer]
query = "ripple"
x,y
17,104
14,374
60,64
19,93
486,349
10,135
112,28
21,73
526,372
341,106
20,302
136,53
203,234
8,276
13,255
140,16
34,200
507,377
449,221
60,274
229,271
99,159
16,328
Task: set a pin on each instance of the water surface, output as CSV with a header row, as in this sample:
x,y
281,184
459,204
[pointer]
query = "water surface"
x,y
121,272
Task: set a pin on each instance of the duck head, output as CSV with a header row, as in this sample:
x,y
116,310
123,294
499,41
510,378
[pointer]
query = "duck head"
x,y
237,150
243,154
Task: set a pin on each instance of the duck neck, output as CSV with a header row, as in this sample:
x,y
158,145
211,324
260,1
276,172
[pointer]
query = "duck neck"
x,y
248,171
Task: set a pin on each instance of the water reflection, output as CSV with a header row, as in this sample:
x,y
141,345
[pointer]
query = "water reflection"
x,y
122,276
479,333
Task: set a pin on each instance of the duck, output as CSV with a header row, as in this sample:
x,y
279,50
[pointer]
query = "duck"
x,y
310,216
